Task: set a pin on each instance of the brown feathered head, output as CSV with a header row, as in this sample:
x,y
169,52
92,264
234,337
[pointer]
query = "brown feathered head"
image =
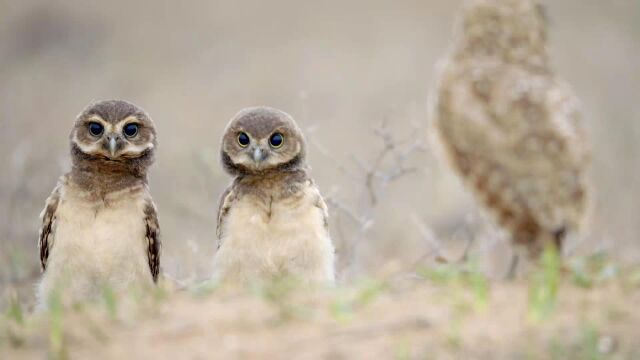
x,y
262,139
115,134
512,29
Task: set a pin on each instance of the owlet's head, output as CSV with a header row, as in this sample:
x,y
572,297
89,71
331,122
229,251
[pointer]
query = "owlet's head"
x,y
262,139
114,133
512,29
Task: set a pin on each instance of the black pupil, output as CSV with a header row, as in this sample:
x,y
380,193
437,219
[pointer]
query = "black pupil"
x,y
131,130
276,139
95,129
243,139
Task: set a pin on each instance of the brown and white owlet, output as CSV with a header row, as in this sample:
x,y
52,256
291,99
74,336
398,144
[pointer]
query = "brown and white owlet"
x,y
99,227
272,220
510,127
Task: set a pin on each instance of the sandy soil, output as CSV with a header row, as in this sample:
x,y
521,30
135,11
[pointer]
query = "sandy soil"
x,y
409,318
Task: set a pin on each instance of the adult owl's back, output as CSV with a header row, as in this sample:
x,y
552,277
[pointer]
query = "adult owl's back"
x,y
510,127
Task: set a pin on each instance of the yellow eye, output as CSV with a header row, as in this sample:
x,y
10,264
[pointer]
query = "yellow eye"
x,y
243,139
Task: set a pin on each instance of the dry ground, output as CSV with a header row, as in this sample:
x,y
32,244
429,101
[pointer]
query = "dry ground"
x,y
338,67
442,313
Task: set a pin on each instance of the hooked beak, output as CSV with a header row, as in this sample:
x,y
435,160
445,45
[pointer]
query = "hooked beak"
x,y
259,155
113,144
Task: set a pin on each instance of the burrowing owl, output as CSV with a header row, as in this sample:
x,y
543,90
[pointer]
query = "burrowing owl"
x,y
272,220
509,126
99,227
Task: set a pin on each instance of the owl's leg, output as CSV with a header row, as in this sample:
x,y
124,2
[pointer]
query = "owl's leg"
x,y
513,266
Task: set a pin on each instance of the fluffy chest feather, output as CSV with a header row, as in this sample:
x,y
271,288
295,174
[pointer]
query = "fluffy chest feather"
x,y
103,239
266,236
272,223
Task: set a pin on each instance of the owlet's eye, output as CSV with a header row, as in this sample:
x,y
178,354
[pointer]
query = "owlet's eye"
x,y
276,140
243,139
130,130
96,129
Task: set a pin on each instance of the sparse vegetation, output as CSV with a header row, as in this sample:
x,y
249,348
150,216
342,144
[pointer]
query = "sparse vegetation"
x,y
443,313
57,340
543,291
412,250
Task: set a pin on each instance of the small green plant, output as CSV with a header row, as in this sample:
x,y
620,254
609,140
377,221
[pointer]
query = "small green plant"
x,y
588,347
204,289
633,279
543,289
443,274
480,285
10,330
110,301
557,349
453,336
344,306
341,310
369,291
466,275
15,311
588,271
341,307
57,346
279,292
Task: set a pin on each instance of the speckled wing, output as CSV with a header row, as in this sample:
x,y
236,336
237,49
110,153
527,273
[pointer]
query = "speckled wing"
x,y
320,204
47,228
226,202
152,235
516,138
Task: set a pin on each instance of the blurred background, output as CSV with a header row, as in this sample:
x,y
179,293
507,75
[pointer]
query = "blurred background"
x,y
355,74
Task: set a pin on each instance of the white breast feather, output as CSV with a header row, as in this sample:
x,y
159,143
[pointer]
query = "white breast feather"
x,y
292,240
96,247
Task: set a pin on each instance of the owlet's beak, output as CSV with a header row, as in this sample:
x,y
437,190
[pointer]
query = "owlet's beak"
x,y
259,155
113,144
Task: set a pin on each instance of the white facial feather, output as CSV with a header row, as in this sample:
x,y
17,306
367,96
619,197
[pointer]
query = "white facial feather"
x,y
86,148
130,148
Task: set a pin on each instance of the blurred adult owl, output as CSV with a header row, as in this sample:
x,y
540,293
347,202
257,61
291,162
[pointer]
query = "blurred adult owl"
x,y
272,220
510,127
99,227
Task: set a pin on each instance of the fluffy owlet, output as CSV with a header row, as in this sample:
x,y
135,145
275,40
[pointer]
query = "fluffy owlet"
x,y
510,127
272,220
99,227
